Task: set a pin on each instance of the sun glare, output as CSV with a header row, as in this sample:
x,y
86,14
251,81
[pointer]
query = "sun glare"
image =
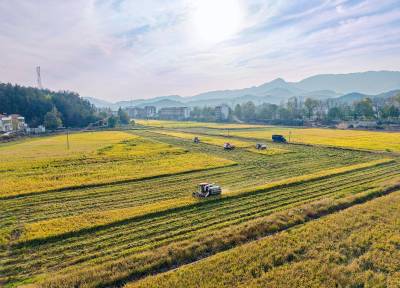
x,y
216,20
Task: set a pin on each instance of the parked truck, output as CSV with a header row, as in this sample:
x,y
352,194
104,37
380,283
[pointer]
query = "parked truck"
x,y
278,138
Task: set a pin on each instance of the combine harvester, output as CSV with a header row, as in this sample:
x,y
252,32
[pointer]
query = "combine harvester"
x,y
229,146
261,146
207,190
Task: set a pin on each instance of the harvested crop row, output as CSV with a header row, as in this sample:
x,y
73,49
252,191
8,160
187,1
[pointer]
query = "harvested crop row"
x,y
122,240
59,226
313,255
132,266
218,141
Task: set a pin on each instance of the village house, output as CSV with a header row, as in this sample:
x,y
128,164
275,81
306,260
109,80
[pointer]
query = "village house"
x,y
12,123
5,123
222,112
174,113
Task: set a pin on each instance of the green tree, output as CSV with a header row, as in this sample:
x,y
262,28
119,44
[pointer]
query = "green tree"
x,y
364,109
267,111
390,112
310,105
112,121
293,108
33,104
238,111
335,113
248,111
123,116
52,119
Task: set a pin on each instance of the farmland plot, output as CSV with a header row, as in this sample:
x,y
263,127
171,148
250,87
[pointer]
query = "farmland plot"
x,y
358,247
137,241
121,157
367,140
218,141
118,230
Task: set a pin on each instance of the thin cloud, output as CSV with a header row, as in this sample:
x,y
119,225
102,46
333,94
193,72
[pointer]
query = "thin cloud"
x,y
120,49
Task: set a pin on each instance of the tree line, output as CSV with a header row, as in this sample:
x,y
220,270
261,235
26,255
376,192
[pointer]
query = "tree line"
x,y
296,111
45,107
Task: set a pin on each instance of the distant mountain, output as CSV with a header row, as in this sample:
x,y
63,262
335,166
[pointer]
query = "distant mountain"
x,y
355,96
278,88
352,97
323,86
372,82
389,94
320,94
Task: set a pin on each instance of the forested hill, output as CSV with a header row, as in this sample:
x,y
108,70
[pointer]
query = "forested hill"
x,y
33,104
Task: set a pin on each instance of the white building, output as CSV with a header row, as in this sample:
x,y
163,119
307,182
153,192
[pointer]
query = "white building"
x,y
151,111
18,122
38,130
5,123
13,122
174,113
222,112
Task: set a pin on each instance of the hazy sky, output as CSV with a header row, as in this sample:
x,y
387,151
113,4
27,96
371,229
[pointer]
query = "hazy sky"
x,y
121,49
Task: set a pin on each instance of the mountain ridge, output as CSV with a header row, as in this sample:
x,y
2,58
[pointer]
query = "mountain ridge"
x,y
321,86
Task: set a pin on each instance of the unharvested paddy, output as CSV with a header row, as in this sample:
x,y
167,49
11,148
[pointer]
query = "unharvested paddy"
x,y
353,139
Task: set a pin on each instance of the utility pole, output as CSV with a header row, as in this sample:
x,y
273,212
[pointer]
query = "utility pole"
x,y
290,134
67,139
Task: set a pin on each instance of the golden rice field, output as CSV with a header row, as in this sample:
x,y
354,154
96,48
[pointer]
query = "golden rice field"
x,y
94,158
116,208
368,140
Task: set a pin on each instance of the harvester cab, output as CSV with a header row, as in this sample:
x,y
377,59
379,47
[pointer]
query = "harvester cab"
x,y
207,190
196,140
229,146
261,146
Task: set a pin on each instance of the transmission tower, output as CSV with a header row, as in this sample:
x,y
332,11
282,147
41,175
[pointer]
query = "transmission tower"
x,y
39,78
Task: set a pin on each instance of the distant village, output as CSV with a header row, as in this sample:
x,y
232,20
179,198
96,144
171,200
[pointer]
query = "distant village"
x,y
173,113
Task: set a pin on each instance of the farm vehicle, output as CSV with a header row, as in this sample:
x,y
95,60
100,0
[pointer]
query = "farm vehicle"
x,y
279,138
229,146
207,190
261,146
